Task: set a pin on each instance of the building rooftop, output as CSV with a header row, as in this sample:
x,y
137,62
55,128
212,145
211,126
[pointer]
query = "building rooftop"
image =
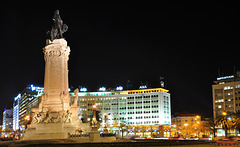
x,y
120,92
229,78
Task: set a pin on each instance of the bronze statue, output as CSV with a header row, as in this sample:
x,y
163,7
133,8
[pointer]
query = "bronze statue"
x,y
58,27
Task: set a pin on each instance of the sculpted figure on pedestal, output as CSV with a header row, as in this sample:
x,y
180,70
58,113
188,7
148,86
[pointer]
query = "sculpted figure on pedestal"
x,y
76,91
58,27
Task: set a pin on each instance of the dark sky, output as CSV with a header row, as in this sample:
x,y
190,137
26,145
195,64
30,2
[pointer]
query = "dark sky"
x,y
112,43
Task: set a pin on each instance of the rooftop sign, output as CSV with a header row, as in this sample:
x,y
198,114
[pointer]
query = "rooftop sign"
x,y
226,77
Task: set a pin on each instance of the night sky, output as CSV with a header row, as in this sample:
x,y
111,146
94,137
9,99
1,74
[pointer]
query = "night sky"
x,y
111,44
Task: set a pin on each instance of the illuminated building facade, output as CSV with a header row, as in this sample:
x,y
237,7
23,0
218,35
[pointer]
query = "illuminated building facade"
x,y
23,103
226,96
7,119
16,112
187,125
144,112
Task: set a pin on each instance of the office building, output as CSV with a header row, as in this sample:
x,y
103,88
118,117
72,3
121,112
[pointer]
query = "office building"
x,y
7,119
226,96
16,112
22,105
145,112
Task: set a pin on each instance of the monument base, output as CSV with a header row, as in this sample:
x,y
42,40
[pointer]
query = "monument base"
x,y
40,131
95,136
48,131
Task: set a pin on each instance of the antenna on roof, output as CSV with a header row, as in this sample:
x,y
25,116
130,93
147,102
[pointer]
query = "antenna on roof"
x,y
234,70
219,73
161,80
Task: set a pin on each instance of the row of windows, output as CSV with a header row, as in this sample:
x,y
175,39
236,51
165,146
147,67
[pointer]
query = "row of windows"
x,y
138,97
222,100
145,122
146,112
139,102
143,91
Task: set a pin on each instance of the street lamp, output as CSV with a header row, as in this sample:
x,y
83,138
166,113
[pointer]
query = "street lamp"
x,y
186,129
224,113
94,120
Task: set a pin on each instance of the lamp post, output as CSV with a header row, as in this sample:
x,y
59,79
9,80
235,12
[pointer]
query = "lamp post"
x,y
94,120
224,113
186,128
27,119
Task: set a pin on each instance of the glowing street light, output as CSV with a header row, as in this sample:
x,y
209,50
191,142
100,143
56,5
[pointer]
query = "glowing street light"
x,y
94,107
27,117
224,113
94,120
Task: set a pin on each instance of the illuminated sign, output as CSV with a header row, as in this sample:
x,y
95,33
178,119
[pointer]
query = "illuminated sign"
x,y
143,87
102,89
162,84
226,77
37,89
83,89
17,97
119,88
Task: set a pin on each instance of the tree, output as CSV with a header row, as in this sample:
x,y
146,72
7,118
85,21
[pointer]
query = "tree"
x,y
122,128
236,120
212,126
226,121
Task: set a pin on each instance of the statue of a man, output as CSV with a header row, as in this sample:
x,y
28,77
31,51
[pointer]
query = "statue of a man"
x,y
58,27
76,91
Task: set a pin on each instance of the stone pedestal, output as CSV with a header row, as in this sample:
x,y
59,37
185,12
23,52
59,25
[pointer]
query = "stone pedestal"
x,y
47,131
95,136
56,96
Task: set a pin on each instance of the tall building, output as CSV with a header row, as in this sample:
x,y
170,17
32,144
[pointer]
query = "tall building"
x,y
23,103
226,96
16,112
7,119
145,111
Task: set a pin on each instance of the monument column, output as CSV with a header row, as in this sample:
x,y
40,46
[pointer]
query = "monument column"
x,y
56,95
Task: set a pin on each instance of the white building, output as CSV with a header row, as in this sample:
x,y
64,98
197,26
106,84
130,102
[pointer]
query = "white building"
x,y
143,107
22,105
16,112
7,119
